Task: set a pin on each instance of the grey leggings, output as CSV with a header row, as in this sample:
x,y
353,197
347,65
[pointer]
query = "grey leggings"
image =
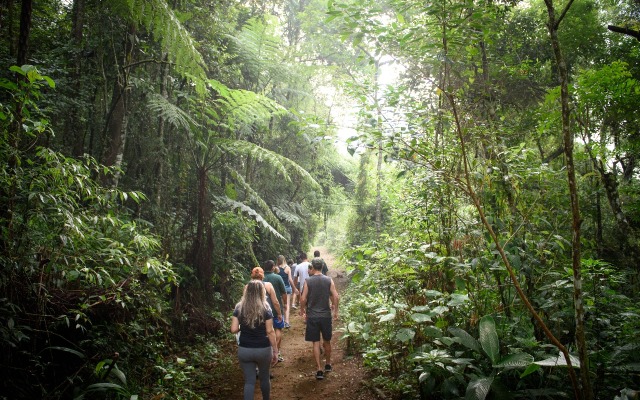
x,y
249,359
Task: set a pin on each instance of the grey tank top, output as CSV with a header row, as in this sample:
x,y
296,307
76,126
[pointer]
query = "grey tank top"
x,y
319,287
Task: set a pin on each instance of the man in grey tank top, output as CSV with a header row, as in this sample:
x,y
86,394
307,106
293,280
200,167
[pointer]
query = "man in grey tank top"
x,y
318,299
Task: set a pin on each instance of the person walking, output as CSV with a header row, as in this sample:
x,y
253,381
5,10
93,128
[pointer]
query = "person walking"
x,y
289,286
325,268
319,297
278,285
252,317
302,272
295,300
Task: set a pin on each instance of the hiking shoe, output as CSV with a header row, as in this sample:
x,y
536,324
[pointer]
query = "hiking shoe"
x,y
327,368
319,375
287,325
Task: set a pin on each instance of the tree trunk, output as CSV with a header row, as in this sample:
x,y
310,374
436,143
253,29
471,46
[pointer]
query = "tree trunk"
x,y
568,140
74,132
25,29
200,251
116,128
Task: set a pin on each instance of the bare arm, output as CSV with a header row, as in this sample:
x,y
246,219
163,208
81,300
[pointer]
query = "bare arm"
x,y
271,334
335,299
303,299
274,299
235,325
291,282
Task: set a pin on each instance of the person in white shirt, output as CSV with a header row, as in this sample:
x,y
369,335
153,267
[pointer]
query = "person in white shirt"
x,y
302,272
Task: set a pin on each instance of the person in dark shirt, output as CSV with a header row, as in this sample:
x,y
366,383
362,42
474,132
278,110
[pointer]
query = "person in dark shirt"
x,y
319,297
325,268
253,318
278,285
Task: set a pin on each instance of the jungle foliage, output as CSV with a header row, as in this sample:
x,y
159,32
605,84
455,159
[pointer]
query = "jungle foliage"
x,y
507,263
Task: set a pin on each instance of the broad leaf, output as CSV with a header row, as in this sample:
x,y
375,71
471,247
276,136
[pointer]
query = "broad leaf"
x,y
420,318
515,360
478,389
465,339
489,338
559,361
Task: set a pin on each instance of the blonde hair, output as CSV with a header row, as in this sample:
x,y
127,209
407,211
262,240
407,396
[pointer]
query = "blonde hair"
x,y
281,261
253,303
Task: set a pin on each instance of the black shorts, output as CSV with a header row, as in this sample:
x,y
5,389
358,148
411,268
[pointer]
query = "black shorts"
x,y
315,326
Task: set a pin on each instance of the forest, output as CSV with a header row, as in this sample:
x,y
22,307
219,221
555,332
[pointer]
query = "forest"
x,y
471,162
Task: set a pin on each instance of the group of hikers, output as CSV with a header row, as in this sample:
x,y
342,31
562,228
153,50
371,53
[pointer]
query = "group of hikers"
x,y
264,310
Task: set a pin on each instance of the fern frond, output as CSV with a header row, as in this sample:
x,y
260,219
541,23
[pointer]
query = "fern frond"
x,y
244,106
161,21
227,202
254,197
287,216
259,49
280,163
171,113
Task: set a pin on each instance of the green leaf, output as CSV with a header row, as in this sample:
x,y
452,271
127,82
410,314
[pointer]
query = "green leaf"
x,y
559,361
489,338
387,317
405,334
515,360
66,350
420,318
530,369
465,339
478,389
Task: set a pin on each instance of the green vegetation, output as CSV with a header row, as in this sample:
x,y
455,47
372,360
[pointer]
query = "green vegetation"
x,y
153,152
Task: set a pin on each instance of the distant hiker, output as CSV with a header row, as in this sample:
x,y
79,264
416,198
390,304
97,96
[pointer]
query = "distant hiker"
x,y
319,297
325,268
302,272
296,297
253,318
289,286
278,285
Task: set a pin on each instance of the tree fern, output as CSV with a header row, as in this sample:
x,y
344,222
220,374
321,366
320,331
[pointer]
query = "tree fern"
x,y
161,21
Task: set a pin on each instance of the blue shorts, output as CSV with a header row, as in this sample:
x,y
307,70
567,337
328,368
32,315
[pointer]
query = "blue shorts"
x,y
278,324
315,326
288,289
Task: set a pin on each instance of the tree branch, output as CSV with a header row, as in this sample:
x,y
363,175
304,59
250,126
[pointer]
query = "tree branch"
x,y
625,31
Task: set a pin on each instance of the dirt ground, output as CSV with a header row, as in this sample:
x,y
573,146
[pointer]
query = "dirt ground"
x,y
294,379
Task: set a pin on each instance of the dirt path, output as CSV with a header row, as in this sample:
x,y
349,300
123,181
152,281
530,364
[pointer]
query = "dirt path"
x,y
294,379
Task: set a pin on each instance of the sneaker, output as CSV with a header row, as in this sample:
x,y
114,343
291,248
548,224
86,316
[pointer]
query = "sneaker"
x,y
294,306
327,368
287,325
319,375
280,358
